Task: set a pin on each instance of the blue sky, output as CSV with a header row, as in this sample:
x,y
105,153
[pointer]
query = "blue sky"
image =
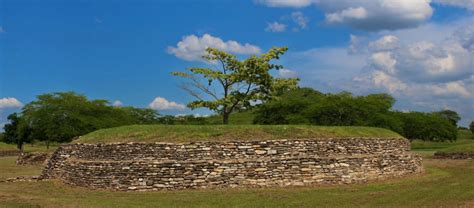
x,y
419,51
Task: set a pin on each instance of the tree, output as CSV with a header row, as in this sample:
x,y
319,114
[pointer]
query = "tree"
x,y
59,117
471,126
308,106
288,108
16,131
237,83
139,115
452,116
427,126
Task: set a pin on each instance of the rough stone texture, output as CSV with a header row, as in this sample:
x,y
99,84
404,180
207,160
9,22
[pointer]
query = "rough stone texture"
x,y
8,153
454,155
32,158
157,166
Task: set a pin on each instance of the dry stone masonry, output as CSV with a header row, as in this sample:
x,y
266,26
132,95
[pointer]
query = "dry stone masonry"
x,y
158,166
33,158
454,155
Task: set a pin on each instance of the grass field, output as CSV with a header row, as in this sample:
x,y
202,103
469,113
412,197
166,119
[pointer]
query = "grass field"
x,y
239,118
188,133
37,147
447,183
464,143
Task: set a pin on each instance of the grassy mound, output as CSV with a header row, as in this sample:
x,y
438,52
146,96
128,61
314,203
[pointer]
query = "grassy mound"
x,y
189,133
238,118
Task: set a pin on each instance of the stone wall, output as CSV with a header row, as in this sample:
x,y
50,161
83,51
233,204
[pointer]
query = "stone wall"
x,y
33,158
8,153
156,166
454,155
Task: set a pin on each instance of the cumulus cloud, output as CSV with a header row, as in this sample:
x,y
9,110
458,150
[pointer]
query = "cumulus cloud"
x,y
192,47
425,61
300,19
370,15
388,42
285,3
465,36
275,27
377,14
287,73
451,89
346,15
467,4
160,103
117,103
10,102
431,74
423,72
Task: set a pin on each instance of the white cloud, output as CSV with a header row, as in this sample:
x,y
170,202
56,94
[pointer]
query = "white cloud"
x,y
285,3
10,102
286,73
370,15
451,89
468,4
381,79
423,72
387,42
1,29
346,15
431,74
465,36
300,19
275,27
383,61
117,103
356,44
377,14
160,103
192,48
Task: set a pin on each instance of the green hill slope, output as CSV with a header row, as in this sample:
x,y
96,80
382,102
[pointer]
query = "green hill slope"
x,y
189,133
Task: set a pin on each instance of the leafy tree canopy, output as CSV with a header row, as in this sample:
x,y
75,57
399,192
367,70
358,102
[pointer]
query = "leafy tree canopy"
x,y
236,84
452,116
59,117
308,106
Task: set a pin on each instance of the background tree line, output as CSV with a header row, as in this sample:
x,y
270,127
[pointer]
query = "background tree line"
x,y
59,117
308,106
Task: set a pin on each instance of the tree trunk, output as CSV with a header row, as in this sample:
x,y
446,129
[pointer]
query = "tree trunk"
x,y
47,144
20,146
225,118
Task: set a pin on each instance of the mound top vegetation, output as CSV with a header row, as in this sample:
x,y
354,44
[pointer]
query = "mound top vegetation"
x,y
193,133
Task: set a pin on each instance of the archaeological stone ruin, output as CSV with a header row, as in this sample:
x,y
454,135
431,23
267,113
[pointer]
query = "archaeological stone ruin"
x,y
206,164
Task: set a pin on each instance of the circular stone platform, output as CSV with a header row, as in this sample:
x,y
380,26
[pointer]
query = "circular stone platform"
x,y
157,166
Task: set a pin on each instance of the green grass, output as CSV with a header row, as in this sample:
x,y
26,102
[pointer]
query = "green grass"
x,y
8,169
460,148
447,183
189,133
238,118
464,143
36,147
